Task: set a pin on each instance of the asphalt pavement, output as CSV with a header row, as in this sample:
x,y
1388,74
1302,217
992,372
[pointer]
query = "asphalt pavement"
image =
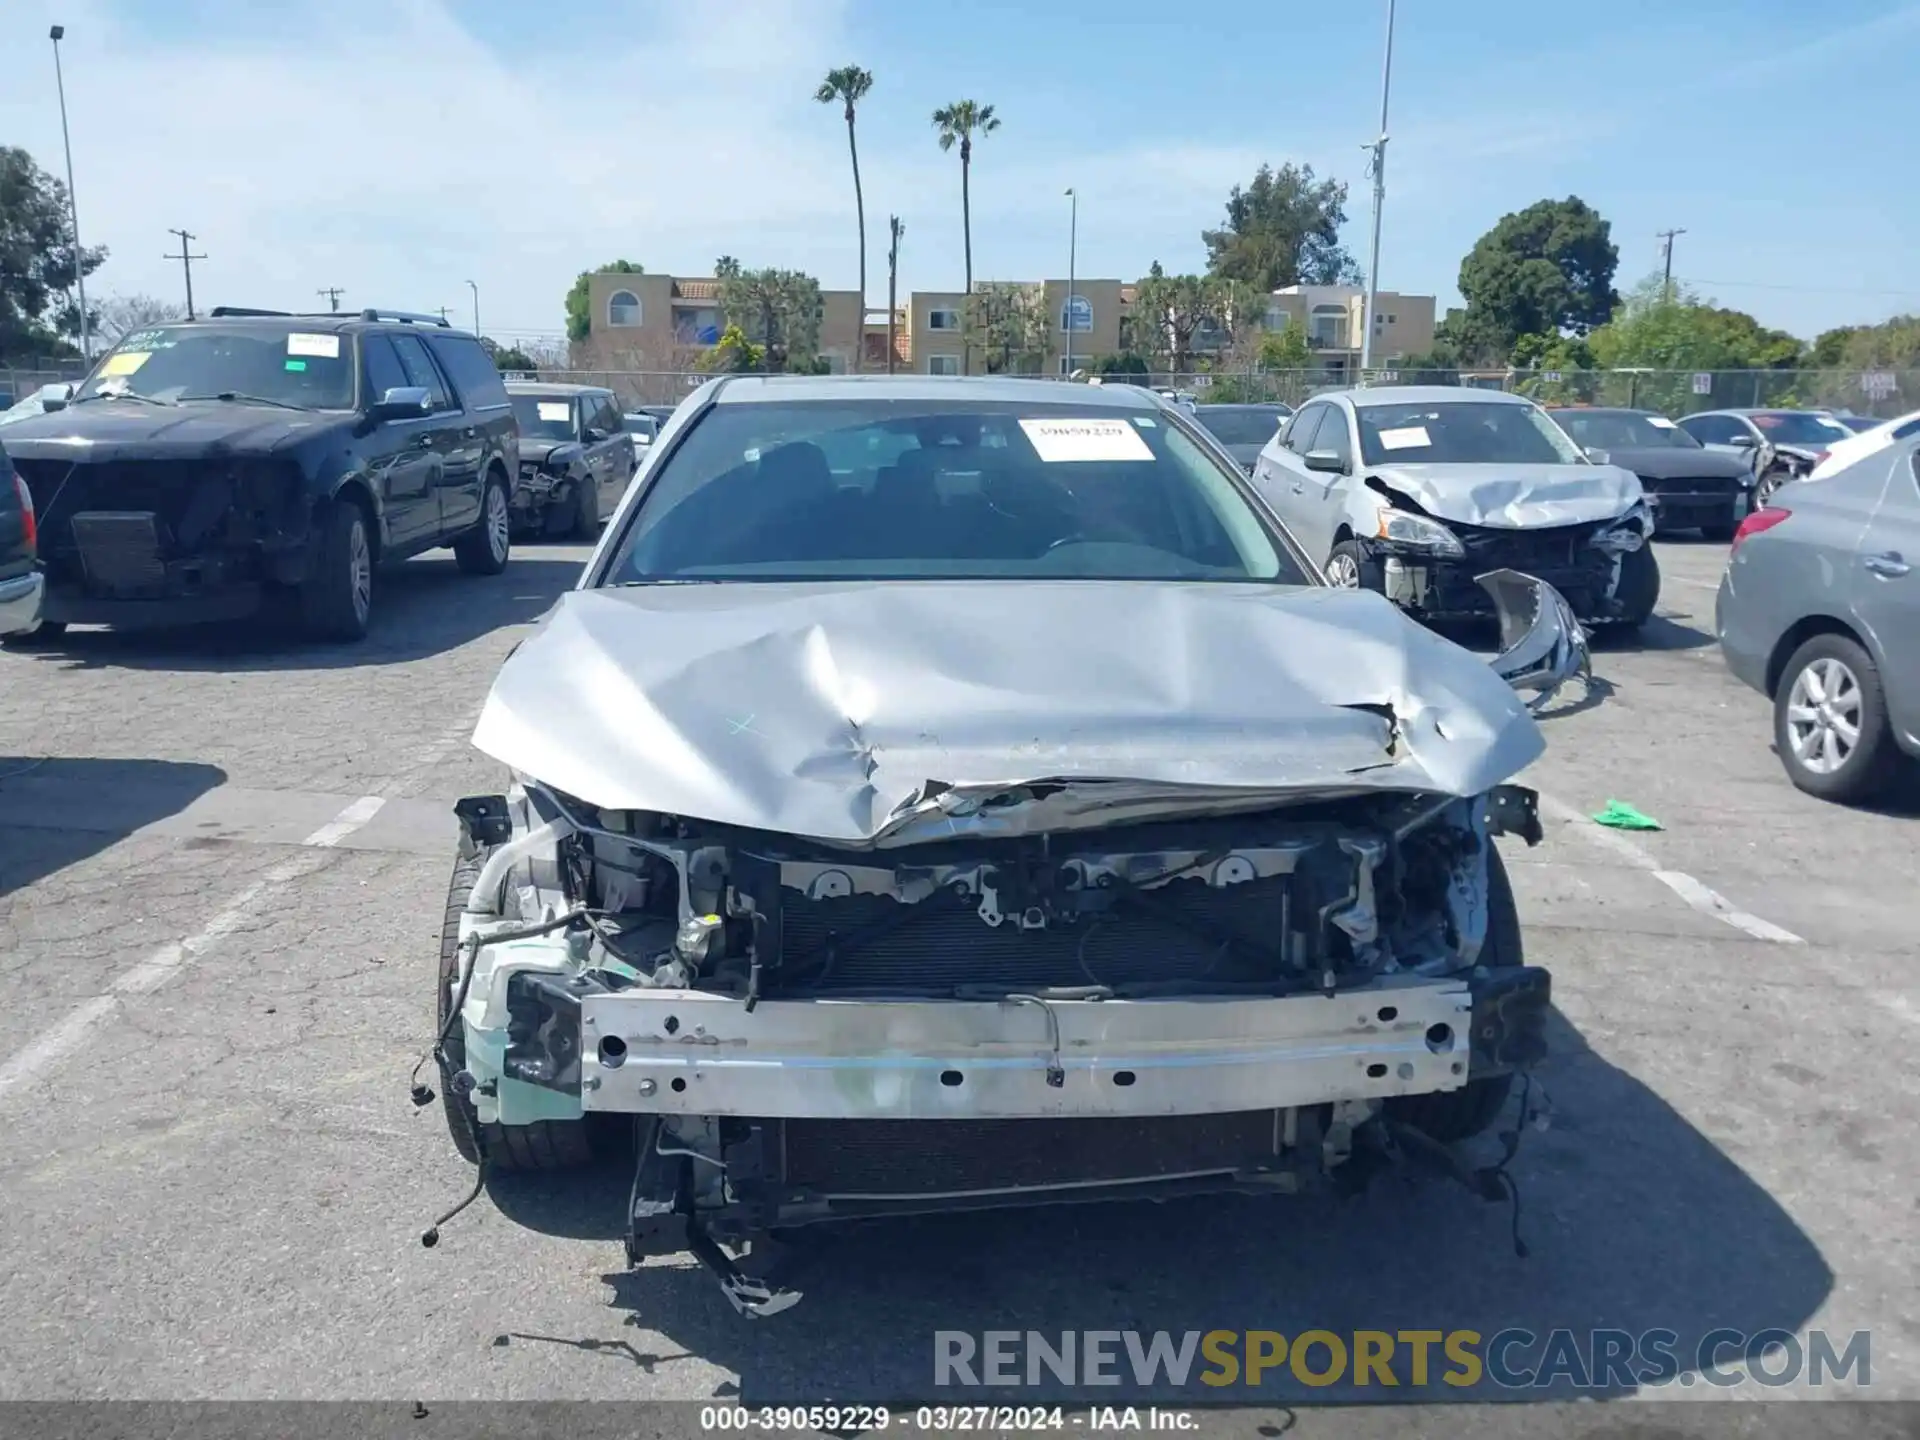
x,y
223,861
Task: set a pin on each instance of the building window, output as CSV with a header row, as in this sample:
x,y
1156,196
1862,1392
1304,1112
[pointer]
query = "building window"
x,y
943,364
696,326
943,320
623,308
1067,367
1076,315
1329,326
1277,318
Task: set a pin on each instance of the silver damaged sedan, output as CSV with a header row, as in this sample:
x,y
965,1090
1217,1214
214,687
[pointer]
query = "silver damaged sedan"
x,y
945,794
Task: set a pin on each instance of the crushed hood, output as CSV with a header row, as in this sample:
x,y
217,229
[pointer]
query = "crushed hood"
x,y
873,714
1515,497
101,430
537,452
1670,462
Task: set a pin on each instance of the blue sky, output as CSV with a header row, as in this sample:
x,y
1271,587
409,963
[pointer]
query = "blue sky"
x,y
398,148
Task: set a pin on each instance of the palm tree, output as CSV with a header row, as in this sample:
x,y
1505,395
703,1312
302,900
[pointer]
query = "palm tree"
x,y
961,121
849,85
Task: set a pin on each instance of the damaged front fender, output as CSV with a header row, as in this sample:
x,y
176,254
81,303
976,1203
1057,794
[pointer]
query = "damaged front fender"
x,y
1542,644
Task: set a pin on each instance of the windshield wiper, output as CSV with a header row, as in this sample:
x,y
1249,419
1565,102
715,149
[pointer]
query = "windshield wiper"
x,y
121,395
249,399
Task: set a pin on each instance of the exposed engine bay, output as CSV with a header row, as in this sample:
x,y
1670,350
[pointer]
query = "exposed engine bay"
x,y
804,1033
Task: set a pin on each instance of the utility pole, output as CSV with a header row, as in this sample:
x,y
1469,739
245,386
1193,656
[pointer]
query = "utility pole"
x,y
1073,245
893,286
1379,168
445,313
57,34
1666,279
186,258
333,294
476,306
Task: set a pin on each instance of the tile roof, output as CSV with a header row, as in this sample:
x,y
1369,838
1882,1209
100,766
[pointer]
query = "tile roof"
x,y
696,289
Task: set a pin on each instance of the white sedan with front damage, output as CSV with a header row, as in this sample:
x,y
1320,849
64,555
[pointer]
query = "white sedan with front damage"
x,y
1417,491
942,795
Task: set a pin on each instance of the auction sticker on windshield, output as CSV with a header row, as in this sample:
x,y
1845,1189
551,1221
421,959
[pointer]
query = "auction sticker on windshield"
x,y
1058,441
555,410
1660,422
324,347
125,363
1409,437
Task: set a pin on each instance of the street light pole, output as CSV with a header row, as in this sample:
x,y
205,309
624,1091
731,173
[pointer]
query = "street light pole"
x,y
1073,246
1379,167
476,306
56,34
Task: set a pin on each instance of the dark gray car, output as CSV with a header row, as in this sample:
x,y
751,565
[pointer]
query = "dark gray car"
x,y
1243,429
1689,486
575,458
1819,610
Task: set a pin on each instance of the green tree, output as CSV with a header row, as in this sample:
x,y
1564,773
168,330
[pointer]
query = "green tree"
x,y
1124,362
579,306
38,264
957,124
1830,348
1544,270
1560,369
1284,349
778,310
849,85
1168,311
1676,333
734,354
1008,322
508,357
1282,229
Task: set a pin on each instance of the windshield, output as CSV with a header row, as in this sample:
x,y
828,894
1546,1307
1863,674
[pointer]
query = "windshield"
x,y
544,417
280,364
1800,428
644,426
925,489
1624,430
1463,432
1243,424
1859,424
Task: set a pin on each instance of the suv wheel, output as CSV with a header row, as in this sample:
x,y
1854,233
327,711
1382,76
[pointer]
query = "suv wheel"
x,y
483,550
336,602
586,509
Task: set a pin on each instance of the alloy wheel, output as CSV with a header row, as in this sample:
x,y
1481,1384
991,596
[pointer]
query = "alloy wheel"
x,y
1824,715
360,572
1341,571
497,522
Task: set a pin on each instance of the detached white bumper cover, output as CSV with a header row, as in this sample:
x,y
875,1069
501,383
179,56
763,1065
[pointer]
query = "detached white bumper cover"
x,y
20,601
686,1052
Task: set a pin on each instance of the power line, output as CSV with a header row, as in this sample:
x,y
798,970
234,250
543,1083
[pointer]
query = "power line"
x,y
333,294
186,257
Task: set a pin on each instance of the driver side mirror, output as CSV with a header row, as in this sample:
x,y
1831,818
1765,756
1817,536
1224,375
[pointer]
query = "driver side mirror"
x,y
1326,461
594,434
1597,455
55,397
1743,441
403,402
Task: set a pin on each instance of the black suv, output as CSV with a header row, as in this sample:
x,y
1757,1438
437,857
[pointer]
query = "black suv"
x,y
575,458
205,469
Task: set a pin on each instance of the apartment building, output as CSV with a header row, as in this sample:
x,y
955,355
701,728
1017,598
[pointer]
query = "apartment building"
x,y
667,322
1084,326
1333,317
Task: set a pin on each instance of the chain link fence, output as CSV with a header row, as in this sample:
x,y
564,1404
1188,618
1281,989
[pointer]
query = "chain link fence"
x,y
20,378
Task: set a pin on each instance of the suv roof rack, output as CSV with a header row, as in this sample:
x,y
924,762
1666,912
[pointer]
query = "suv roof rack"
x,y
406,317
220,312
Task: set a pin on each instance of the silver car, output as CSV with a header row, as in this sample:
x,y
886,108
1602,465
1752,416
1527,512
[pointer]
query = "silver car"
x,y
1780,445
1417,491
1819,610
942,794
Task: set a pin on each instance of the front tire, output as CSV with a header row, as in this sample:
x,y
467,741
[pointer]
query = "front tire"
x,y
483,550
1349,567
1451,1116
1639,588
586,509
336,600
1830,722
544,1145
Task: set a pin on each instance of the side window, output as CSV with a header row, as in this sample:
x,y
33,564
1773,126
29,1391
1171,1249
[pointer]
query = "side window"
x,y
1334,435
380,367
420,369
1300,432
605,415
475,376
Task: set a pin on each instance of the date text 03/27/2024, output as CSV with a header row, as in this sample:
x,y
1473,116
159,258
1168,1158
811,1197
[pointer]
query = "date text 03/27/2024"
x,y
942,1418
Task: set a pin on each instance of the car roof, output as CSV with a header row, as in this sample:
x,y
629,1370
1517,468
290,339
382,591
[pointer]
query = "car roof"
x,y
1598,410
553,387
988,389
1242,405
323,322
1422,395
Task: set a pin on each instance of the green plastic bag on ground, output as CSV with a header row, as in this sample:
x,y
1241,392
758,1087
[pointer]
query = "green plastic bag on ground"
x,y
1621,816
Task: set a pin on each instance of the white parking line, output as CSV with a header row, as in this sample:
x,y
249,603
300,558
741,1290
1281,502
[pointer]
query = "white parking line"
x,y
1700,897
70,1031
